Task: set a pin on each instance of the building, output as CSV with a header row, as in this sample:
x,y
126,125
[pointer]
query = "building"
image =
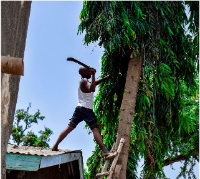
x,y
23,162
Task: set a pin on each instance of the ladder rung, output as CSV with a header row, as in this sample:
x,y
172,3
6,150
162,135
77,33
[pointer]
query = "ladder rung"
x,y
102,174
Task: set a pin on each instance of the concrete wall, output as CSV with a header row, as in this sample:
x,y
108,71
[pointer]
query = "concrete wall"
x,y
14,25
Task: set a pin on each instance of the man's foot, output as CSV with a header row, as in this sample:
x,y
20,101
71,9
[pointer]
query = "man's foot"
x,y
111,155
106,153
55,148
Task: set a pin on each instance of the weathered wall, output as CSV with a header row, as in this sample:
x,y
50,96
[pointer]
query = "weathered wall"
x,y
14,25
64,171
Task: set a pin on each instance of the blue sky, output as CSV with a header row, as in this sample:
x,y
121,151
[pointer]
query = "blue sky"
x,y
50,82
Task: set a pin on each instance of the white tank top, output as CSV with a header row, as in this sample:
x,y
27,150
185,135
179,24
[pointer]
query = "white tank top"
x,y
85,99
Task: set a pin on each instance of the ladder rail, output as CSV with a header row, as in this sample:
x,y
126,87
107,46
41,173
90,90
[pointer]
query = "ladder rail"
x,y
116,158
113,165
106,163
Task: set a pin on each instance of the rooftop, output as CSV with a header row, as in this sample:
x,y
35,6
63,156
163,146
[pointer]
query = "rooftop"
x,y
40,151
29,158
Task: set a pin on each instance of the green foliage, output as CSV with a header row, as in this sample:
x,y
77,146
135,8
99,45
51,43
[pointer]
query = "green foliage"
x,y
23,121
86,174
165,124
117,32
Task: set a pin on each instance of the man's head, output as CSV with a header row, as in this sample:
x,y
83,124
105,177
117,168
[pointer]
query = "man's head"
x,y
84,72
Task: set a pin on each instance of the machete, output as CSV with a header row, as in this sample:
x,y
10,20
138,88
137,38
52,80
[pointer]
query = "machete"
x,y
77,61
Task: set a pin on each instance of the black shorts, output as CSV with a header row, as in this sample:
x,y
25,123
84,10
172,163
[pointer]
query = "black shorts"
x,y
86,114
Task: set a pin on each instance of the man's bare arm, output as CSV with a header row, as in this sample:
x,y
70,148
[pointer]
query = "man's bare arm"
x,y
102,79
93,84
87,87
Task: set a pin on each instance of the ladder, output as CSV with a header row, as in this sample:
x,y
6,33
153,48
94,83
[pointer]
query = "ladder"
x,y
114,155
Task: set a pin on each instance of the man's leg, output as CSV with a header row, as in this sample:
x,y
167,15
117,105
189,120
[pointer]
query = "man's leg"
x,y
98,138
62,135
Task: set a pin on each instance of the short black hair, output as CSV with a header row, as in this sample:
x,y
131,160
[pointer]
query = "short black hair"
x,y
82,70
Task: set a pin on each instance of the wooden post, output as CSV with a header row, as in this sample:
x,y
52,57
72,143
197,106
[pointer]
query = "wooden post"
x,y
14,26
12,65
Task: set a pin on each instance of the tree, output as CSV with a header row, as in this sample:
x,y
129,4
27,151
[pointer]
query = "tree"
x,y
23,121
161,126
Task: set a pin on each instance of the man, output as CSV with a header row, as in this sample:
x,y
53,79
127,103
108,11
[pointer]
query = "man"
x,y
84,110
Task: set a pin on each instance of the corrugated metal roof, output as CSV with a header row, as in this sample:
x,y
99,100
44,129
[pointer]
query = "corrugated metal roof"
x,y
27,150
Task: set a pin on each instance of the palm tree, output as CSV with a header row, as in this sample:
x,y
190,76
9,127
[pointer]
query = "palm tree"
x,y
143,100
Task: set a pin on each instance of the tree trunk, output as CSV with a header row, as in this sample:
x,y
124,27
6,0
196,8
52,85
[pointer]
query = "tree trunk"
x,y
127,111
14,25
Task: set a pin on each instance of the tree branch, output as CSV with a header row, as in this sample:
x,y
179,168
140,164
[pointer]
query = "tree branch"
x,y
178,158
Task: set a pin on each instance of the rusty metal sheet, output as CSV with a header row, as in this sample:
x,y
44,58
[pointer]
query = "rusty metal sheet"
x,y
40,151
